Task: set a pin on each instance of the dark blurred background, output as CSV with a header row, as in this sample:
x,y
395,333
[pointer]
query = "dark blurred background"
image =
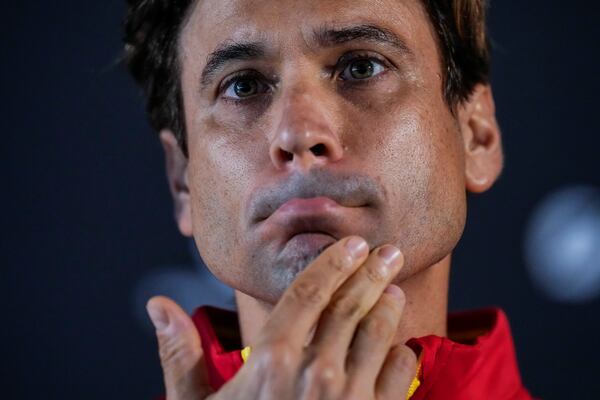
x,y
88,233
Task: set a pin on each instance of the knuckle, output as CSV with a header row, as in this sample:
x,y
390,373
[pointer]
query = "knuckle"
x,y
307,293
276,355
322,373
324,377
339,262
175,354
345,307
376,274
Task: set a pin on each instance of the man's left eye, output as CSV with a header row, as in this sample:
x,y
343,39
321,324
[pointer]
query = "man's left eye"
x,y
363,68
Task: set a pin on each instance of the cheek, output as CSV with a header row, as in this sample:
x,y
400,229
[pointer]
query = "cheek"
x,y
433,174
221,168
415,150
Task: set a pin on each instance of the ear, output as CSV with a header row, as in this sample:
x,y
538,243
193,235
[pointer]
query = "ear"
x,y
482,139
176,165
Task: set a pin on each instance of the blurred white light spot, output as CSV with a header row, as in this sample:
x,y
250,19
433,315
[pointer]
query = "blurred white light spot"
x,y
562,244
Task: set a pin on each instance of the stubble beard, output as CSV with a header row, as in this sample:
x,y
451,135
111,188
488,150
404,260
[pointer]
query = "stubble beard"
x,y
284,271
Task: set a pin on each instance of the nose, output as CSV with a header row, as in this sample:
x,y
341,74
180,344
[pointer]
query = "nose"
x,y
305,136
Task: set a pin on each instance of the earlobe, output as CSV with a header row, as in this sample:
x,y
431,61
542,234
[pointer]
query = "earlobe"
x,y
176,167
482,140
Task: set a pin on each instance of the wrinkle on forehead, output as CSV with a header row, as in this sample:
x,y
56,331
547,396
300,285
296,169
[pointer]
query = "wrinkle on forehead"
x,y
285,21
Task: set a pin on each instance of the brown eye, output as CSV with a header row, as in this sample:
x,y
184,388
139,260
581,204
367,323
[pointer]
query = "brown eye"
x,y
363,68
243,87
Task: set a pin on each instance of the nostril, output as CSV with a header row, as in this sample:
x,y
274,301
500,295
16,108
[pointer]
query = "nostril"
x,y
286,155
319,149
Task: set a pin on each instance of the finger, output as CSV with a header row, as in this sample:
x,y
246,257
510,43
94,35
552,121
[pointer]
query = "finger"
x,y
180,351
373,339
353,300
397,374
302,303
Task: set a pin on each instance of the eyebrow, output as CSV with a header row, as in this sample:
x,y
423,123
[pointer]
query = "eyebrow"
x,y
230,51
323,37
328,37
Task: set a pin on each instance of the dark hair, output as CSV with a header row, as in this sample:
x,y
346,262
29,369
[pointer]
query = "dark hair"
x,y
152,30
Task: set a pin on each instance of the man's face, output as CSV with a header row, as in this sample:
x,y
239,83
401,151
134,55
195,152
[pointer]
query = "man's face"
x,y
308,121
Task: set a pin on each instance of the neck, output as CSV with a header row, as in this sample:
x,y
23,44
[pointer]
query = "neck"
x,y
424,314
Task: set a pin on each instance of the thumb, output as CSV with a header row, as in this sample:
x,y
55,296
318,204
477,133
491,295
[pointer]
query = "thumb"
x,y
180,351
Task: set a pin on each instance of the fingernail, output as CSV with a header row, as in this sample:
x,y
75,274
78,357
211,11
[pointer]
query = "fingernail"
x,y
158,316
389,253
394,291
356,246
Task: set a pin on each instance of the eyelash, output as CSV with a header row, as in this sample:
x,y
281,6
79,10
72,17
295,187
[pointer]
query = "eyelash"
x,y
343,63
347,60
249,74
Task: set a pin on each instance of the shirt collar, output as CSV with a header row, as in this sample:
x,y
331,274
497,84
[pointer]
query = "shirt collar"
x,y
476,360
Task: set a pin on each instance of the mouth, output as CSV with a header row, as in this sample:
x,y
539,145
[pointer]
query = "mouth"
x,y
297,208
303,213
309,222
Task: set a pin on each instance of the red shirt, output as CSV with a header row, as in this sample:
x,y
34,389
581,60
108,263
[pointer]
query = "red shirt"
x,y
478,362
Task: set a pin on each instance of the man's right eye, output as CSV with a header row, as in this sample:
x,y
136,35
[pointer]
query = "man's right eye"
x,y
243,87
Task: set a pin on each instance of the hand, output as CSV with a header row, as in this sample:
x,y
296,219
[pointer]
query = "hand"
x,y
346,294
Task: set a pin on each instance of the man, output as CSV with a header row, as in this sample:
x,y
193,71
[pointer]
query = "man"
x,y
319,152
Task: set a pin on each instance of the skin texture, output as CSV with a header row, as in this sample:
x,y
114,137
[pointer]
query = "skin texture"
x,y
389,149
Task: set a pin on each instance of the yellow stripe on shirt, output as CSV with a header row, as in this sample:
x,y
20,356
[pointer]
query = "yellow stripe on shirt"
x,y
416,382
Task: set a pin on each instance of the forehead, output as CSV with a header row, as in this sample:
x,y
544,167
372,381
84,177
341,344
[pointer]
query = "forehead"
x,y
289,23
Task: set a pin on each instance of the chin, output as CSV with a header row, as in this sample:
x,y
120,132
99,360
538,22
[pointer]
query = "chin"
x,y
269,276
